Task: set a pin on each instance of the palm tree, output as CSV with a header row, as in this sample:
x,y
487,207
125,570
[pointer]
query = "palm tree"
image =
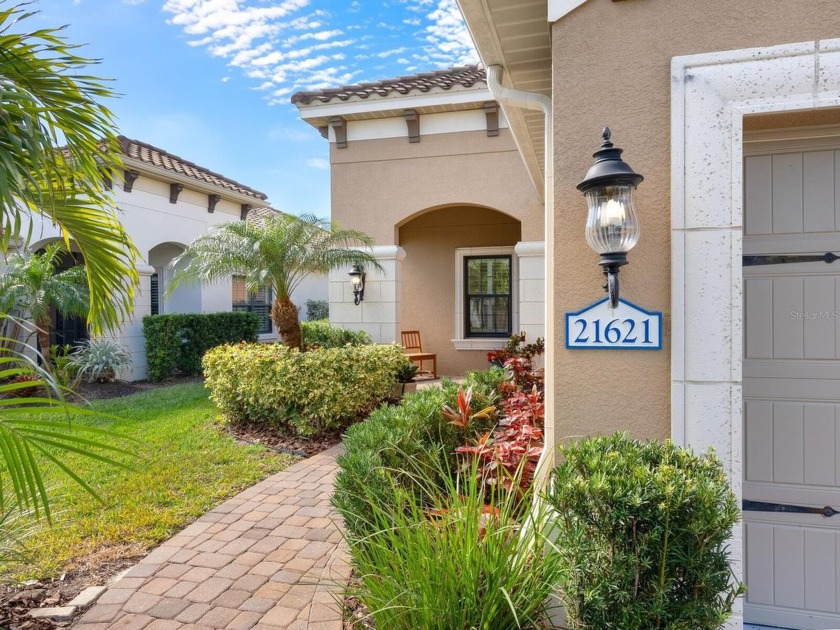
x,y
46,98
278,254
31,287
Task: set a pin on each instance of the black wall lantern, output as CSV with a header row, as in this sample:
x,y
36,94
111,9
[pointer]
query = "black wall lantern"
x,y
357,278
612,227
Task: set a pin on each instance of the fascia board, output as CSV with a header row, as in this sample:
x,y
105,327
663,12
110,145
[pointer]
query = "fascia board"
x,y
395,103
161,174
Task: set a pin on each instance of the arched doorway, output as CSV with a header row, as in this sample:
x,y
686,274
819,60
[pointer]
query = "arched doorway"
x,y
186,298
65,329
459,282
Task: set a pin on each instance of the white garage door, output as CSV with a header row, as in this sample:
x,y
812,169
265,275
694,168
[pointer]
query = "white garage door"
x,y
792,388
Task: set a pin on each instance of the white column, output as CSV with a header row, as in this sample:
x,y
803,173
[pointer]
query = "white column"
x,y
379,313
130,333
531,255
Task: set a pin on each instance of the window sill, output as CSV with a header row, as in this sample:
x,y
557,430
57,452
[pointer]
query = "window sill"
x,y
479,343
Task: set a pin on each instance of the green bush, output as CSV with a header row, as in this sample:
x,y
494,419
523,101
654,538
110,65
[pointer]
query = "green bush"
x,y
307,391
642,535
317,309
319,334
400,439
178,342
453,560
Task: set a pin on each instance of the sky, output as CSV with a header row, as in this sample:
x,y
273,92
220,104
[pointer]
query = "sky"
x,y
210,80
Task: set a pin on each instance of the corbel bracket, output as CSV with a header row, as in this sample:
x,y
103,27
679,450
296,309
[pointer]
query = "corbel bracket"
x,y
339,127
174,191
212,200
244,209
491,113
412,122
130,178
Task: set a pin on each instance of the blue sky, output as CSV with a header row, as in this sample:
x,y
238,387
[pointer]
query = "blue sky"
x,y
210,80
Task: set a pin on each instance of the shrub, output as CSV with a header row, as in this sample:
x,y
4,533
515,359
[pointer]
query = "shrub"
x,y
65,371
178,342
100,359
401,438
642,535
319,334
516,348
307,391
452,561
317,309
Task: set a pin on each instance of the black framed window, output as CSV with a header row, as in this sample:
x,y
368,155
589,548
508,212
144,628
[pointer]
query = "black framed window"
x,y
258,302
487,296
154,286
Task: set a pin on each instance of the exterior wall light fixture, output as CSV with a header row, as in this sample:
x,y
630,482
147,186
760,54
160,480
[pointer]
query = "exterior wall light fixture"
x,y
612,227
357,278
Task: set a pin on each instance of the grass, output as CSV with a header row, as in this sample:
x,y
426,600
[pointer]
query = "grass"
x,y
184,467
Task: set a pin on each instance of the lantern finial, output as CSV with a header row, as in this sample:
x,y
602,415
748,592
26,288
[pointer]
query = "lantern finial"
x,y
605,134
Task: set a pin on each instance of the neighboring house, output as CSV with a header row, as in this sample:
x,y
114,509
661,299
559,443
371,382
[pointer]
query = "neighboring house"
x,y
731,111
427,165
165,202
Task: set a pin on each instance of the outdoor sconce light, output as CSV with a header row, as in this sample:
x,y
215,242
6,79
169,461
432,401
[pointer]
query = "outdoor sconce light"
x,y
612,228
357,278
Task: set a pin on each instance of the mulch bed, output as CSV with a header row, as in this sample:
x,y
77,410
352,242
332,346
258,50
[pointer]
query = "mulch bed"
x,y
275,439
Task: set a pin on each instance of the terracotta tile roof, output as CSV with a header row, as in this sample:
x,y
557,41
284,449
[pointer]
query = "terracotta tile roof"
x,y
462,76
257,216
158,157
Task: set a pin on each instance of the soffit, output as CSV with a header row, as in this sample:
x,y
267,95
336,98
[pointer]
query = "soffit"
x,y
515,34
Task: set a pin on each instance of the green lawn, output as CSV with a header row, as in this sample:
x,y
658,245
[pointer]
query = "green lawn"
x,y
184,466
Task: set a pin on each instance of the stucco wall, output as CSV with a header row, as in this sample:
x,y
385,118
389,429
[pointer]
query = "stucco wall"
x,y
626,85
428,288
378,184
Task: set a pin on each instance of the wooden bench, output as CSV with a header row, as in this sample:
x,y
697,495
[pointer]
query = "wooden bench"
x,y
413,349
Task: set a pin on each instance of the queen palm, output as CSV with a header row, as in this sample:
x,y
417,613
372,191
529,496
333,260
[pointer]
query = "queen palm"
x,y
31,286
278,253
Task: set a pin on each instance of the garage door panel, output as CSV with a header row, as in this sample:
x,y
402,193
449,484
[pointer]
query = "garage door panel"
x,y
818,191
789,566
759,544
819,325
788,443
820,570
791,443
788,330
791,379
787,193
820,445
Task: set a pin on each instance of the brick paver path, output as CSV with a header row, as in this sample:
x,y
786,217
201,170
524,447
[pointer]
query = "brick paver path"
x,y
271,557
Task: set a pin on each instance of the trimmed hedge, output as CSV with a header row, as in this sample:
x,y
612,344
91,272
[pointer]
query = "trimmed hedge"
x,y
399,444
178,342
307,391
319,334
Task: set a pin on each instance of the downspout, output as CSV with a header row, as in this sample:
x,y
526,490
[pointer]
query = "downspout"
x,y
509,97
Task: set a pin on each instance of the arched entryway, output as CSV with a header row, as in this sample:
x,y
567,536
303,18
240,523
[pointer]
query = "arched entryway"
x,y
459,282
186,298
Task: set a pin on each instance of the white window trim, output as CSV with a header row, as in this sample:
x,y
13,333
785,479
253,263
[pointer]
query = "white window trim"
x,y
461,341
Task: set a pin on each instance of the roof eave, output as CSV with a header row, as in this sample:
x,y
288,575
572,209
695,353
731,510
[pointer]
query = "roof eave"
x,y
192,183
531,70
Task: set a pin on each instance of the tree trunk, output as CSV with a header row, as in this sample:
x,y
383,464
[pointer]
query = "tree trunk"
x,y
43,326
284,314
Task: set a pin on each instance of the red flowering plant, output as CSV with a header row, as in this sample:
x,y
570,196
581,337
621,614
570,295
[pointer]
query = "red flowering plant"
x,y
516,348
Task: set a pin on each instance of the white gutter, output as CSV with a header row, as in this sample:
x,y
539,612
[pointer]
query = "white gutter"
x,y
508,97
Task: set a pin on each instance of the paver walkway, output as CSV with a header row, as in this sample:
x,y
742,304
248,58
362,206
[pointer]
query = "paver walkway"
x,y
271,557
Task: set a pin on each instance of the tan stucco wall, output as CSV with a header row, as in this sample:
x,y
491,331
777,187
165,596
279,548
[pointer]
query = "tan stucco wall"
x,y
612,67
378,184
428,286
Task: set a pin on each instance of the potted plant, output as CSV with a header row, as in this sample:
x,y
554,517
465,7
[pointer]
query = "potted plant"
x,y
405,379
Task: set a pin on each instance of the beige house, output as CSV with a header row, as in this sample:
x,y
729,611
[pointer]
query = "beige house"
x,y
731,111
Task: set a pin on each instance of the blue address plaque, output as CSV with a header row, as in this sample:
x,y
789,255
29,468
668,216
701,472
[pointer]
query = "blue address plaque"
x,y
626,327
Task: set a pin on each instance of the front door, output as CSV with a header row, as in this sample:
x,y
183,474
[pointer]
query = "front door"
x,y
791,378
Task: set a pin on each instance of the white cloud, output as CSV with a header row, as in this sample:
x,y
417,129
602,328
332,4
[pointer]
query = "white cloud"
x,y
319,163
288,45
